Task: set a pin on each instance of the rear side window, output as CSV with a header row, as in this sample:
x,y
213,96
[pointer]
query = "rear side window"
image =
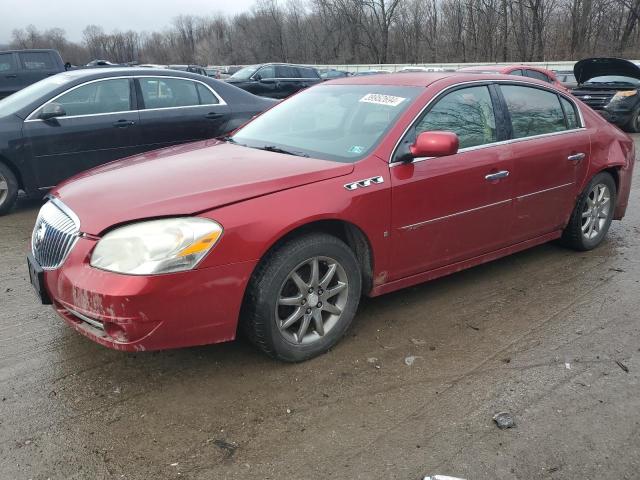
x,y
308,72
467,112
538,75
206,96
168,92
36,61
7,63
107,96
285,71
533,111
570,113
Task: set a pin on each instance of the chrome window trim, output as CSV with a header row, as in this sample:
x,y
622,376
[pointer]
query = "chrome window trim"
x,y
493,144
220,99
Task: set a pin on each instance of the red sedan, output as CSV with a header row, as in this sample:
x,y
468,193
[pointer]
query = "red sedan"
x,y
359,186
519,70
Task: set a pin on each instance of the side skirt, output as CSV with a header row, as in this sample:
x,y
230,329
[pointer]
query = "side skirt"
x,y
462,265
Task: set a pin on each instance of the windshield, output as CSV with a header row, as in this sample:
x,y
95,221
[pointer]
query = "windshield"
x,y
17,101
615,79
244,73
331,122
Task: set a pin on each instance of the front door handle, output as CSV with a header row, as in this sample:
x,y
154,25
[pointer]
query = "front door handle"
x,y
213,115
576,157
497,175
123,123
12,76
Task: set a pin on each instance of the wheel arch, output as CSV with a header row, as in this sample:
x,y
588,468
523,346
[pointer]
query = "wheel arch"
x,y
346,231
15,170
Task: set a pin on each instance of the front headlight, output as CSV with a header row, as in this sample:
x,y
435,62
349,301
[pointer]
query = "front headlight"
x,y
156,246
622,94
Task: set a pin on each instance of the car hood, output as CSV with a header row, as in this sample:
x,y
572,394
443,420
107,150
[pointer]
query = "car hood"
x,y
184,180
586,69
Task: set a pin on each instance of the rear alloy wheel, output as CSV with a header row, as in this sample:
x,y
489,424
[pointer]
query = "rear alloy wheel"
x,y
302,298
8,189
592,215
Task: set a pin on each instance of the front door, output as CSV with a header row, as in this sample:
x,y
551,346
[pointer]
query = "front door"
x,y
100,125
550,153
452,208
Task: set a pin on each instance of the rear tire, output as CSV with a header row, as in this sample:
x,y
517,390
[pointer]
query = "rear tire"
x,y
592,215
8,189
302,298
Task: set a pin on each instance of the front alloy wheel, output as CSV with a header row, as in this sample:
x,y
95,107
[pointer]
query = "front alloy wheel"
x,y
302,297
312,299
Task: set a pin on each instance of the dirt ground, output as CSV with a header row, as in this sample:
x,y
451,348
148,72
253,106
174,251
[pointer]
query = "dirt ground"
x,y
537,334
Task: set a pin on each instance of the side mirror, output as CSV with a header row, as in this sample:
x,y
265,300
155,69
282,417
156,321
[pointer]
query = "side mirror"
x,y
257,77
435,144
52,110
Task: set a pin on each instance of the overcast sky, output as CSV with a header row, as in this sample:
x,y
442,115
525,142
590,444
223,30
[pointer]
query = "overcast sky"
x,y
74,15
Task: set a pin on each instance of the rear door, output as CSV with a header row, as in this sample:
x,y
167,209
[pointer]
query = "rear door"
x,y
100,125
177,110
35,66
9,81
452,208
550,151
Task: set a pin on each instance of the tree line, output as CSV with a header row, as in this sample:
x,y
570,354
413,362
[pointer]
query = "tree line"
x,y
368,31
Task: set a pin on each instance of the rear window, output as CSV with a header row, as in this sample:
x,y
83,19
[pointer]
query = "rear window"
x,y
533,111
285,71
36,61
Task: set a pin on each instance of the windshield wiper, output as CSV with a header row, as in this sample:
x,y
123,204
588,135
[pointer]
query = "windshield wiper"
x,y
273,148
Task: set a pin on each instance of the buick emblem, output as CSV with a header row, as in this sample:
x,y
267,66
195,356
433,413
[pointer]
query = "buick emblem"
x,y
40,233
587,97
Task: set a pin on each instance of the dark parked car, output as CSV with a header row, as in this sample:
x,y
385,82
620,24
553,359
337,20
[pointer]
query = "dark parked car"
x,y
189,68
566,78
611,87
332,74
274,80
76,120
20,68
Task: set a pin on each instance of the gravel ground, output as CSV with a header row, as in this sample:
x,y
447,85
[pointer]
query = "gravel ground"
x,y
411,391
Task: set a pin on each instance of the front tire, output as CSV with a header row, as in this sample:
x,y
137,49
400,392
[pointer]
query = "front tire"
x,y
592,215
8,189
633,125
302,298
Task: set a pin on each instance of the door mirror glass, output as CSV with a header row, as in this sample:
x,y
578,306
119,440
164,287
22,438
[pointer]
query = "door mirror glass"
x,y
52,110
435,144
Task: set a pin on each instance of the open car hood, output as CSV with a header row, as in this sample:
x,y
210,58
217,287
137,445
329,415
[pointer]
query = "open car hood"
x,y
589,68
184,180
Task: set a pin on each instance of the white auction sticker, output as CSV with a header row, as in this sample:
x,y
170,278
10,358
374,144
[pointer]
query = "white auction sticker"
x,y
381,99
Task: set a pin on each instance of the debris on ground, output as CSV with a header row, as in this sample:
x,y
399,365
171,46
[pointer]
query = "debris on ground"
x,y
622,366
617,270
504,420
418,342
408,361
372,360
473,327
229,448
441,477
567,365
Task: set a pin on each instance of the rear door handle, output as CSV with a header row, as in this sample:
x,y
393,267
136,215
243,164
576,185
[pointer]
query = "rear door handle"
x,y
12,76
497,175
576,157
213,115
123,123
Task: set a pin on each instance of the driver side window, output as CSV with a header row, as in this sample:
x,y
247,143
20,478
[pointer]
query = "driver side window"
x,y
267,72
467,112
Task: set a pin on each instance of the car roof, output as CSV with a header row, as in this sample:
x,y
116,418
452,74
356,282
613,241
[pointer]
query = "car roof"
x,y
29,50
420,79
104,72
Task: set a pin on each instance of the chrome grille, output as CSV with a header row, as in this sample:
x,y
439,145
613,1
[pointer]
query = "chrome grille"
x,y
54,235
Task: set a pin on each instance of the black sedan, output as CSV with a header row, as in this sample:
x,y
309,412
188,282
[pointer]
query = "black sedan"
x,y
79,119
